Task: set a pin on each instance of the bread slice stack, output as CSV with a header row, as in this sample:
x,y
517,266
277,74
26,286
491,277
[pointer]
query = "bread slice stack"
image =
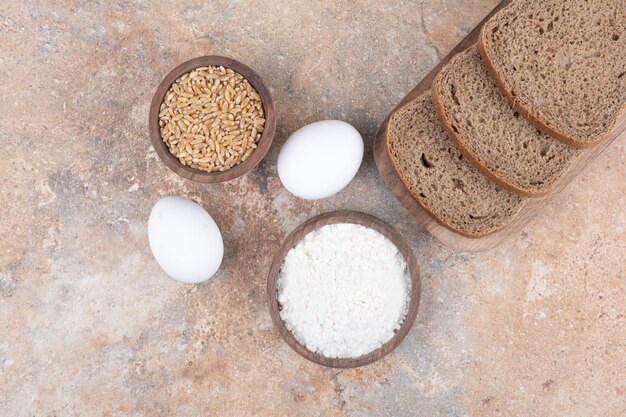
x,y
445,184
505,119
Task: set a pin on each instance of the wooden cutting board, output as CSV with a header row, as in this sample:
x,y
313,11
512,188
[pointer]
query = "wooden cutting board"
x,y
439,231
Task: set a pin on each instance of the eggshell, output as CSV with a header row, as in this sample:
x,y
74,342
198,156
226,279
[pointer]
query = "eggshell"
x,y
320,159
184,239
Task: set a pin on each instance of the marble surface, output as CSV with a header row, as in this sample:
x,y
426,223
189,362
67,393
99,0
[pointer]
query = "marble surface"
x,y
89,324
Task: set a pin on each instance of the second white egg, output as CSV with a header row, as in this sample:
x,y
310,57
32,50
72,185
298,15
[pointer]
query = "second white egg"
x,y
185,240
320,159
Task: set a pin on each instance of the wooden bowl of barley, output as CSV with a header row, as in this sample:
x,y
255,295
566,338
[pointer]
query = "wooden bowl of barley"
x,y
224,132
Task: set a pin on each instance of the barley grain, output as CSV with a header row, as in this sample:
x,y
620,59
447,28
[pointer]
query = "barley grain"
x,y
211,119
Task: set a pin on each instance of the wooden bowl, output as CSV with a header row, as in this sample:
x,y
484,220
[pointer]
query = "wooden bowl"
x,y
195,174
355,217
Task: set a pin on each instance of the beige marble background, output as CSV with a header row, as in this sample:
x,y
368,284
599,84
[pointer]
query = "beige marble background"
x,y
89,324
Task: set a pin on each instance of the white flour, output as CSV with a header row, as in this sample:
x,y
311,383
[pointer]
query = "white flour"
x,y
344,290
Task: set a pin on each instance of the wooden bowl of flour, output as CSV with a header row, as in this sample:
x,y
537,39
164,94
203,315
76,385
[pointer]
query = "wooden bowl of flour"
x,y
354,217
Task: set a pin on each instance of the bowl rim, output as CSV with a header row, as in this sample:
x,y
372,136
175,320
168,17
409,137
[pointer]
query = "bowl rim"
x,y
197,175
354,217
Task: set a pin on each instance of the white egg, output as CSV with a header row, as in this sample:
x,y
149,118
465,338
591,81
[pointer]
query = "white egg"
x,y
320,159
185,240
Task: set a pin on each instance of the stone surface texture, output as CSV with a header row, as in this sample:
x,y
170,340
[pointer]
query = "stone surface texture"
x,y
91,326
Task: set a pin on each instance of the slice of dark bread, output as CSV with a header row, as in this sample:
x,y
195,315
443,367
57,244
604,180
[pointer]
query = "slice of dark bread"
x,y
491,134
444,183
562,64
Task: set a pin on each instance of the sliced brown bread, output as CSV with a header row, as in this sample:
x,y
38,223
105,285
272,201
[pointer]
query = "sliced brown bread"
x,y
491,134
562,64
444,183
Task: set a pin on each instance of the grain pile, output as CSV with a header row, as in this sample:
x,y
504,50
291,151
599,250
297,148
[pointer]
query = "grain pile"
x,y
211,119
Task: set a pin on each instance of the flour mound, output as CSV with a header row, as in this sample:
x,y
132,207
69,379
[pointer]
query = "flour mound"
x,y
344,290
